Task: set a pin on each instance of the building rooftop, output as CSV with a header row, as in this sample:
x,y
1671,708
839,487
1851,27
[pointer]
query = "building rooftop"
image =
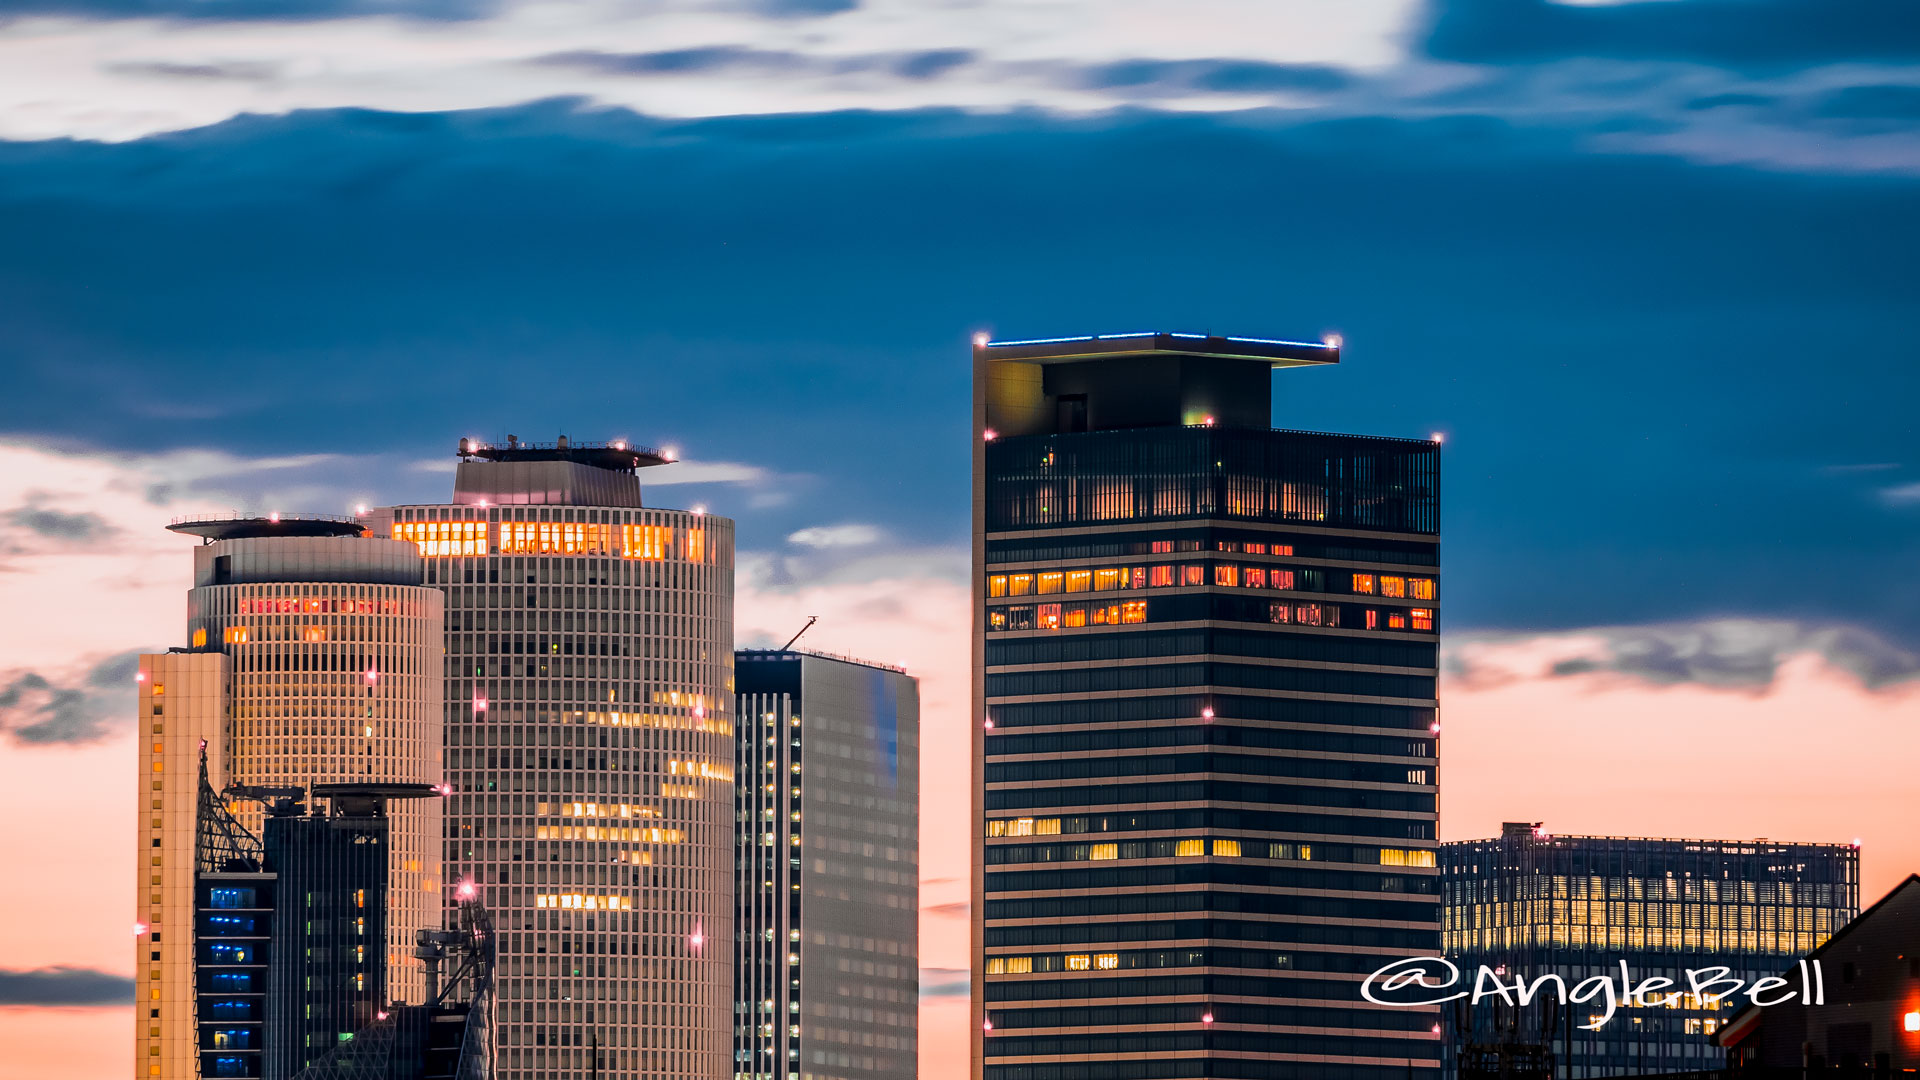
x,y
618,455
795,654
1534,831
239,526
1062,350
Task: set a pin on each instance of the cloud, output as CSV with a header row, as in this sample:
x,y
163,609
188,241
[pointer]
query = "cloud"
x,y
1739,34
956,910
1729,101
159,69
1874,102
739,60
36,710
1902,494
799,9
59,525
252,10
945,982
852,534
62,986
1218,76
1735,654
704,472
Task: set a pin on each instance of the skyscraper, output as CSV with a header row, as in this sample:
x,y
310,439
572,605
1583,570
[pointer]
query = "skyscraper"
x,y
1579,906
314,658
589,723
827,890
182,707
1204,663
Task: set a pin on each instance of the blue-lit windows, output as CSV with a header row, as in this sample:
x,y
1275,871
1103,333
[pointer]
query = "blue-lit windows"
x,y
233,982
230,898
233,1039
229,954
230,925
229,1066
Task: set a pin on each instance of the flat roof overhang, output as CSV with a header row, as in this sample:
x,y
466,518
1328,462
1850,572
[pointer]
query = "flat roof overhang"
x,y
1100,346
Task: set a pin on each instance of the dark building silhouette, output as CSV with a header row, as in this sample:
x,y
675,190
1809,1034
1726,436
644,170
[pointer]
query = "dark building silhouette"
x,y
1529,903
1869,1017
1204,665
290,962
235,913
447,1037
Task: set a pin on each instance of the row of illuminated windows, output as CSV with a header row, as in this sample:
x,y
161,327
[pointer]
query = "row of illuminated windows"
x,y
1145,958
1650,939
1161,576
1651,914
1598,887
1188,575
470,538
1055,616
608,832
583,902
1418,588
1067,616
319,605
1186,848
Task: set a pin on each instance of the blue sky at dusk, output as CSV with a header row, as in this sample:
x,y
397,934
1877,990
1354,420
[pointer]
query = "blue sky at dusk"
x,y
1675,374
1651,267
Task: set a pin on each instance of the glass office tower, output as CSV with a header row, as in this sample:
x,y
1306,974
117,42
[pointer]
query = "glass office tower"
x,y
1204,662
1577,906
827,887
589,729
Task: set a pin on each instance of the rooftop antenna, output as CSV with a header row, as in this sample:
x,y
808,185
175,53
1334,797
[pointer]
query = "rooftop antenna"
x,y
811,619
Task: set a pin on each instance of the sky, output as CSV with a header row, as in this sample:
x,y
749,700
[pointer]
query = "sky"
x,y
1649,267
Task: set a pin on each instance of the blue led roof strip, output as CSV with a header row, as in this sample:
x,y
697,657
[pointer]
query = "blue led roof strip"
x,y
1041,341
1272,341
1156,333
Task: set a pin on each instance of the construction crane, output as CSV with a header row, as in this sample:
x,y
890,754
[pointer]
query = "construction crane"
x,y
811,619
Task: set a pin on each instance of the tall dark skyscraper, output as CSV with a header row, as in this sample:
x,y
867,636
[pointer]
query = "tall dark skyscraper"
x,y
1204,662
826,983
1577,906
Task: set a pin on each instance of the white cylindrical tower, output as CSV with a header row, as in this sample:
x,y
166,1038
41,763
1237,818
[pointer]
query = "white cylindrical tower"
x,y
335,649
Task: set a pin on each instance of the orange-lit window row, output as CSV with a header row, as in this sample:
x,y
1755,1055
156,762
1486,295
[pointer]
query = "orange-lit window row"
x,y
1249,547
647,541
1055,616
630,834
441,538
554,538
1394,585
288,605
583,902
1416,619
1163,576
